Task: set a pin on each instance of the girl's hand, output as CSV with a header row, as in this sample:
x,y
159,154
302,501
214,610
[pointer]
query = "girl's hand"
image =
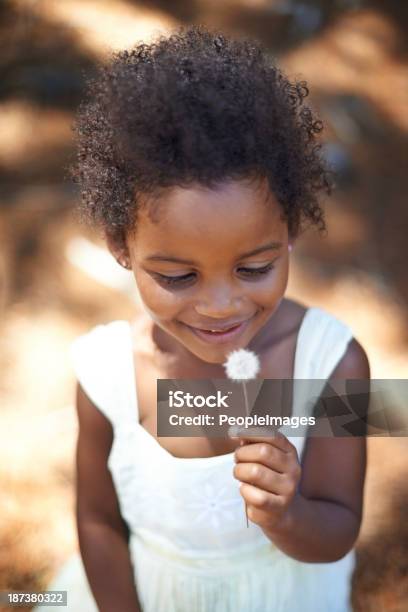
x,y
270,472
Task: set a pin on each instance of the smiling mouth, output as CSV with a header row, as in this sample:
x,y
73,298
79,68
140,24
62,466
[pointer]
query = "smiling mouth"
x,y
219,331
217,328
217,336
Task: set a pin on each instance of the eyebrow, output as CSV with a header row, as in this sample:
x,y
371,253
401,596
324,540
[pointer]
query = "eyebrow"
x,y
271,246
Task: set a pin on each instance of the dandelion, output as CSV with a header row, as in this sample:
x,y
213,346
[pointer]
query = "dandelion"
x,y
242,365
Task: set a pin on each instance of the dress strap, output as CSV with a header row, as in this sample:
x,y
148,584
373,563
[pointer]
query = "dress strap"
x,y
129,373
99,362
322,342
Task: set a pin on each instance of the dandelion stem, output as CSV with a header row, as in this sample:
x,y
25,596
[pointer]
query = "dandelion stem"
x,y
247,413
246,398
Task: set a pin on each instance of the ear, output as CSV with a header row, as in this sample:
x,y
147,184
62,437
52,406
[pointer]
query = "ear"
x,y
121,254
291,243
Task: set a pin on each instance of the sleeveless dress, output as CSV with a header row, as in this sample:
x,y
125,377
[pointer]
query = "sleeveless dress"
x,y
190,547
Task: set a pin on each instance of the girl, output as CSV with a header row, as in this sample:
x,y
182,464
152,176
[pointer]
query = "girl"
x,y
199,161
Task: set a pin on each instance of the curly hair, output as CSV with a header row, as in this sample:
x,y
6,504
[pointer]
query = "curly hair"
x,y
191,107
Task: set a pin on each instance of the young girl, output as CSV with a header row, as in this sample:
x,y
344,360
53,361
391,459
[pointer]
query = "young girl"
x,y
199,160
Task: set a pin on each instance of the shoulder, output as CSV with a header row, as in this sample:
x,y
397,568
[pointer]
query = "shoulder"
x,y
329,347
102,330
354,363
93,422
323,324
95,358
95,344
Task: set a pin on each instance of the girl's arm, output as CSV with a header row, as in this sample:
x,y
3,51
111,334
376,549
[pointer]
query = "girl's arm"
x,y
325,515
103,534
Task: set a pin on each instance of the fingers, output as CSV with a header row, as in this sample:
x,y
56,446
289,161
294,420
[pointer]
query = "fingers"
x,y
259,434
265,511
239,431
261,500
266,447
267,480
264,453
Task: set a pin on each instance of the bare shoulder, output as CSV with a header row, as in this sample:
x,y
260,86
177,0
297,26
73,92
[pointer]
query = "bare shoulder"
x,y
353,364
91,420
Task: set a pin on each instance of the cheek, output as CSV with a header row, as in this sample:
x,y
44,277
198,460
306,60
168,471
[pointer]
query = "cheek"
x,y
157,301
268,292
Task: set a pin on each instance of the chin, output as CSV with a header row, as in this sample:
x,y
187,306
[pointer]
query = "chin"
x,y
212,355
218,355
215,359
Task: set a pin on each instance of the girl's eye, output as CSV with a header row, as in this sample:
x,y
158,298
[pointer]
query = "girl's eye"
x,y
253,272
180,280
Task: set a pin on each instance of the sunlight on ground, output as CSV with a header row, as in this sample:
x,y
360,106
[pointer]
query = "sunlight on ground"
x,y
359,48
27,131
118,26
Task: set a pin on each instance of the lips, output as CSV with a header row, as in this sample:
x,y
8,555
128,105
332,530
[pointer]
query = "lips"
x,y
221,337
220,331
217,328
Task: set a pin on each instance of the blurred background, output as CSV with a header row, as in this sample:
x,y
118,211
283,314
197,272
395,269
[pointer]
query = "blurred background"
x,y
57,279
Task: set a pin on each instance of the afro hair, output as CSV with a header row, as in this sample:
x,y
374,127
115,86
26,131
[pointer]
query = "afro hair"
x,y
194,106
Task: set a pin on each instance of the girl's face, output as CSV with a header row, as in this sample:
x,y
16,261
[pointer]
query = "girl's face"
x,y
209,260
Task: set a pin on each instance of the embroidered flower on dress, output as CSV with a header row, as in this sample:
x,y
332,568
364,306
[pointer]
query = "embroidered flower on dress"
x,y
213,505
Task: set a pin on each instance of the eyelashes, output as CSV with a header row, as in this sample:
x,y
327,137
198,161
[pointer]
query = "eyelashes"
x,y
176,281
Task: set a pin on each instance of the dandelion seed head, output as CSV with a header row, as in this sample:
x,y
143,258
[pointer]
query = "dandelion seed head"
x,y
242,364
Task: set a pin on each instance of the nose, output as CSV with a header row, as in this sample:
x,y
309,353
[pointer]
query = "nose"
x,y
219,301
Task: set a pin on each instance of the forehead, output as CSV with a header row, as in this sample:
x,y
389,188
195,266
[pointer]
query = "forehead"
x,y
231,216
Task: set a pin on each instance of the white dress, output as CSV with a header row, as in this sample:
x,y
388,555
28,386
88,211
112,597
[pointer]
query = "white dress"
x,y
190,547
